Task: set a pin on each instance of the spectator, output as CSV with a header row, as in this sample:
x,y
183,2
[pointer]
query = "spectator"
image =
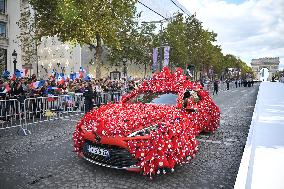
x,y
89,95
216,83
228,84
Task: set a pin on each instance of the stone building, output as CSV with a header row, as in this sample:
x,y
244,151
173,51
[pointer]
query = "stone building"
x,y
54,55
9,30
113,70
272,64
51,54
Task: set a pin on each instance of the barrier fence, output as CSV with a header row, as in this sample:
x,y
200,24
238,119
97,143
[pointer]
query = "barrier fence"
x,y
24,112
10,113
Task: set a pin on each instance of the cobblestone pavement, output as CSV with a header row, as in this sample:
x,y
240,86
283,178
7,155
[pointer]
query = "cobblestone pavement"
x,y
45,159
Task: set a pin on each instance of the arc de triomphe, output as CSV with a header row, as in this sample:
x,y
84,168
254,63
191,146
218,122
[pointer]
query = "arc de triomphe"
x,y
272,64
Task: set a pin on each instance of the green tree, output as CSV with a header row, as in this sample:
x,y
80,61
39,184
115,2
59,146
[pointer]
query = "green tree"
x,y
175,36
136,44
191,44
27,39
92,22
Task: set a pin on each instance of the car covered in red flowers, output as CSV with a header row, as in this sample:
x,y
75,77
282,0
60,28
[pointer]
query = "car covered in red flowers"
x,y
151,129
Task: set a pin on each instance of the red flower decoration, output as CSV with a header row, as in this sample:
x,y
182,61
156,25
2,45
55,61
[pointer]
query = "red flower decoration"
x,y
173,139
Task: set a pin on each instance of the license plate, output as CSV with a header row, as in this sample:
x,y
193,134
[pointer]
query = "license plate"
x,y
98,151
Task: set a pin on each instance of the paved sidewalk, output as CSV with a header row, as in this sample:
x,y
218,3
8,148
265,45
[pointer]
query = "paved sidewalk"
x,y
262,164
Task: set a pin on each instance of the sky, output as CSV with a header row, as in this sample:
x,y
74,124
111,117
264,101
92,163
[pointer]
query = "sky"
x,y
246,28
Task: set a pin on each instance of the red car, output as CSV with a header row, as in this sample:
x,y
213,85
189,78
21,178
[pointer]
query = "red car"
x,y
151,129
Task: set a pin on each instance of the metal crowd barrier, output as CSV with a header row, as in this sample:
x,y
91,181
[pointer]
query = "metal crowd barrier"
x,y
49,108
29,111
11,115
15,113
105,97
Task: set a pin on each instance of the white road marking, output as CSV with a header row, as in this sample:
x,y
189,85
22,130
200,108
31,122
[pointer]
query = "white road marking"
x,y
215,142
70,120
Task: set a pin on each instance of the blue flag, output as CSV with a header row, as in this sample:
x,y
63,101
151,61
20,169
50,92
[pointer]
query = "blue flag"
x,y
72,76
18,73
87,78
41,83
6,74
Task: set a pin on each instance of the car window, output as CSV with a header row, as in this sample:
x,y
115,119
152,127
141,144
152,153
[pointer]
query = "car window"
x,y
155,98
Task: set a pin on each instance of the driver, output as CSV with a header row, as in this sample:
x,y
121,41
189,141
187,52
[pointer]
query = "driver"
x,y
190,99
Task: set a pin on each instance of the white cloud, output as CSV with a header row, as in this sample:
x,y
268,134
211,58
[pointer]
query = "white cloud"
x,y
252,29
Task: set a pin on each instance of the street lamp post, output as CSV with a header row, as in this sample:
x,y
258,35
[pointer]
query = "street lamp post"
x,y
124,60
14,54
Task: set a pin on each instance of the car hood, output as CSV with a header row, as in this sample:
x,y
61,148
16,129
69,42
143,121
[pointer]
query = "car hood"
x,y
123,119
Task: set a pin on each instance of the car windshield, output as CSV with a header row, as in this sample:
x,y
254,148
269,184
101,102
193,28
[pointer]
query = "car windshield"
x,y
155,98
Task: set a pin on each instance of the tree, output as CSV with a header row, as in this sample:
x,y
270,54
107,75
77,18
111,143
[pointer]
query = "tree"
x,y
92,22
27,39
191,44
135,44
175,36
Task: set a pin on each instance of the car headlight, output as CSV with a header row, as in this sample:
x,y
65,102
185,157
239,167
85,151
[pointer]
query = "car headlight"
x,y
145,131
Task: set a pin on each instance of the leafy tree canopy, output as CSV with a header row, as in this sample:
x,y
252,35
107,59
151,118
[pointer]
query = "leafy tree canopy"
x,y
81,21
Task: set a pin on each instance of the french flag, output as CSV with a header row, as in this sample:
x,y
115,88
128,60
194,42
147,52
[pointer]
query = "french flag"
x,y
87,78
13,77
21,73
60,79
24,72
66,78
77,75
82,72
38,84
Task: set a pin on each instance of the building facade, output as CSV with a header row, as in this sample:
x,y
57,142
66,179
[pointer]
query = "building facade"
x,y
51,54
55,56
272,64
9,15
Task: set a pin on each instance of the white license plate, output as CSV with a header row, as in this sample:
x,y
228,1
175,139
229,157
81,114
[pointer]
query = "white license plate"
x,y
98,151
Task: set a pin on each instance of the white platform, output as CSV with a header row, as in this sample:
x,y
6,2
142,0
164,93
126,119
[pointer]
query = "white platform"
x,y
262,164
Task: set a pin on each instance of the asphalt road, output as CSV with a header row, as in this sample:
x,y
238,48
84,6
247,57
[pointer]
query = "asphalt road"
x,y
45,159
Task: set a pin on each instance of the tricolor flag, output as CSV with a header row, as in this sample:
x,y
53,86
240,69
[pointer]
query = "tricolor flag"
x,y
66,78
38,84
12,77
60,79
78,75
82,72
21,73
87,78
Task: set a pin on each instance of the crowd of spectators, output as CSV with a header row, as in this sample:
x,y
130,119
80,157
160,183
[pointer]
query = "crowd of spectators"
x,y
32,87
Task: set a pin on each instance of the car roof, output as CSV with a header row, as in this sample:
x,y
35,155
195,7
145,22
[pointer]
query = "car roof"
x,y
165,81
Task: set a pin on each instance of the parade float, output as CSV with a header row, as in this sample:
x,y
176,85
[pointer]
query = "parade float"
x,y
150,130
